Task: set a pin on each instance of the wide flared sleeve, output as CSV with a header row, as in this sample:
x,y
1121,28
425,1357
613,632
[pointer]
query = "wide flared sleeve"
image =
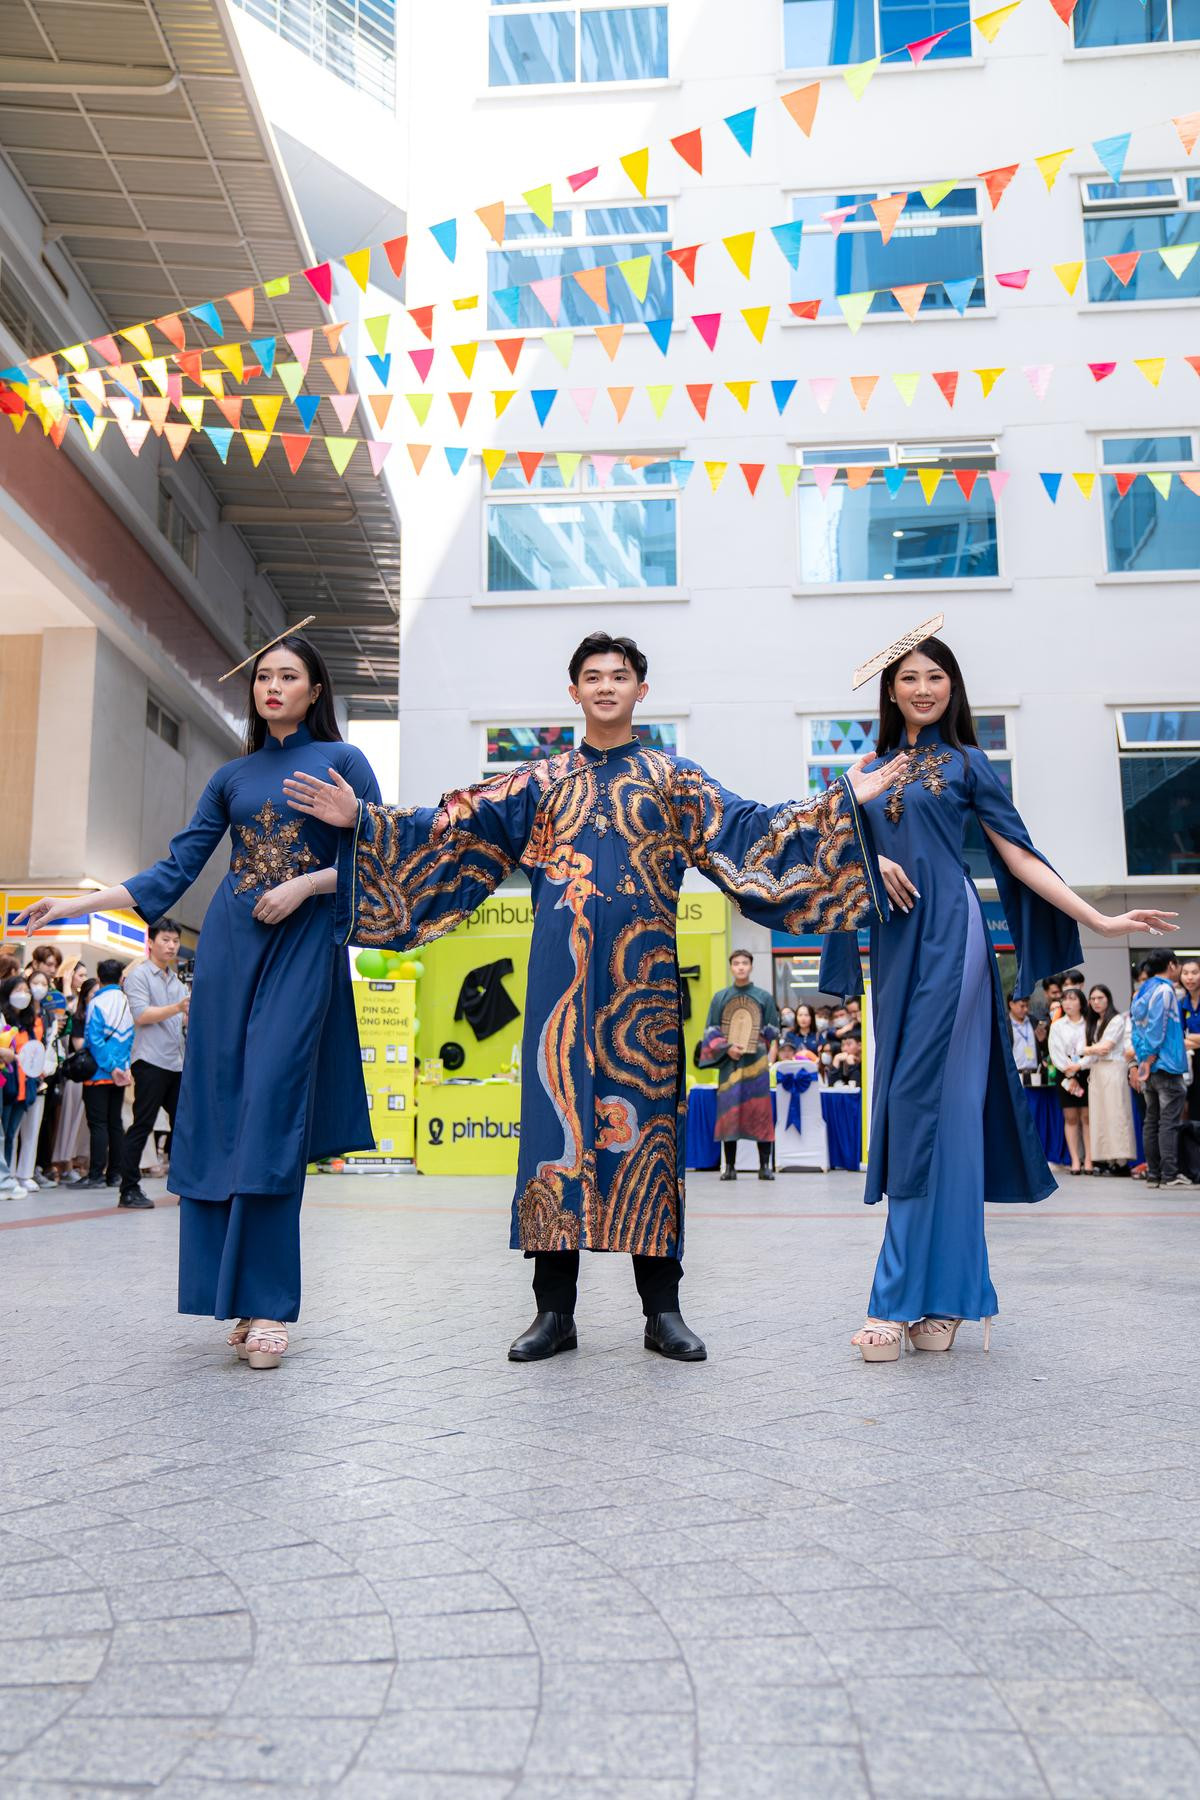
x,y
805,865
1045,939
408,875
155,891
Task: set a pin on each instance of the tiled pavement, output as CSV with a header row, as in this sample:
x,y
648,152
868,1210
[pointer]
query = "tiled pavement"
x,y
403,1567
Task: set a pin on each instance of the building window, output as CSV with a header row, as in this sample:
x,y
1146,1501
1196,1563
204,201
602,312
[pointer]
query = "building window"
x,y
937,245
1099,23
176,527
876,525
506,746
354,39
1159,753
555,536
162,723
582,237
1147,213
543,46
833,744
822,34
1146,528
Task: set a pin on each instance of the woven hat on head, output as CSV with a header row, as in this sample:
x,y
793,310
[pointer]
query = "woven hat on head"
x,y
901,647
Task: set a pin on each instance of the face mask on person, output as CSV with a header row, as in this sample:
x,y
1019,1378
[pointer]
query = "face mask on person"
x,y
788,1017
19,999
39,989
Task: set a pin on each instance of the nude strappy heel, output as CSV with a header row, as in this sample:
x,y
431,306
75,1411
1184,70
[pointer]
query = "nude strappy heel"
x,y
266,1345
237,1338
893,1335
939,1334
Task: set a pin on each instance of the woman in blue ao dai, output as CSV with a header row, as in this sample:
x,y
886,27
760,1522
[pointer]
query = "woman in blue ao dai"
x,y
273,1074
950,1124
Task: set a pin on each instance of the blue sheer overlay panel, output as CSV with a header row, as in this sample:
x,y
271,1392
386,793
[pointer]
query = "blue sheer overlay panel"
x,y
595,544
865,535
623,43
528,49
1160,796
923,247
1144,531
1101,22
818,34
1151,279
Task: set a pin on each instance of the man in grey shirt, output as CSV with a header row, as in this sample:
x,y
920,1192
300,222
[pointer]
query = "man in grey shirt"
x,y
158,1001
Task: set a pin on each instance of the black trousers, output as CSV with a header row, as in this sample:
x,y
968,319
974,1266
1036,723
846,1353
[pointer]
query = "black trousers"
x,y
102,1105
556,1281
1164,1115
765,1146
153,1087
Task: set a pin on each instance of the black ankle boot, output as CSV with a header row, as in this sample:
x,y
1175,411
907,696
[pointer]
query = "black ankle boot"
x,y
668,1334
549,1333
729,1173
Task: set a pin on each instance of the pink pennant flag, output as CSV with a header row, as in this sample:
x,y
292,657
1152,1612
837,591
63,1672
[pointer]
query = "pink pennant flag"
x,y
344,406
998,478
301,343
135,433
575,182
1038,376
823,474
708,325
920,50
378,451
835,220
604,466
549,293
822,389
421,361
1102,371
1014,278
585,399
174,387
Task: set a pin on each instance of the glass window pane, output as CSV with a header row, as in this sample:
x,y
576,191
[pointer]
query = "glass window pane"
x,y
1099,22
904,22
1097,192
528,225
1186,20
1161,799
621,475
613,221
626,43
850,738
1151,279
1161,727
527,743
1144,531
511,268
525,48
919,250
510,475
865,535
595,544
991,730
1147,450
820,33
657,737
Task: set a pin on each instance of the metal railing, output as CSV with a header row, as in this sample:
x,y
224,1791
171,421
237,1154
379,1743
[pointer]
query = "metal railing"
x,y
354,39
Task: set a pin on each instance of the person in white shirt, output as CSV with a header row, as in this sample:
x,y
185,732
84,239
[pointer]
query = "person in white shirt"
x,y
1026,1053
1068,1040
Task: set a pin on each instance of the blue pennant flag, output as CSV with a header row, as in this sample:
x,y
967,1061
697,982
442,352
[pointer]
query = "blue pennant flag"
x,y
208,315
85,412
306,405
958,293
1112,152
1051,483
788,238
456,457
220,436
509,301
18,375
742,126
446,236
382,366
782,392
543,399
894,480
660,331
264,350
681,469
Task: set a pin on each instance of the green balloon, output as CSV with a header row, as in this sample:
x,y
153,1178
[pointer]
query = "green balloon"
x,y
372,964
418,969
416,1026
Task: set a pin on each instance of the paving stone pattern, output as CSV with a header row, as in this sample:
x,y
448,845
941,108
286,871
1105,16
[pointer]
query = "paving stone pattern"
x,y
402,1568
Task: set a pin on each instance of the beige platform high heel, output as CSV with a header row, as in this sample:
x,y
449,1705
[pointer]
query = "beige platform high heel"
x,y
892,1334
266,1345
237,1338
939,1334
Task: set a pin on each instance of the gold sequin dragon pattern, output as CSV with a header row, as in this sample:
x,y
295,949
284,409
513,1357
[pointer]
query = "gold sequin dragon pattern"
x,y
924,766
271,854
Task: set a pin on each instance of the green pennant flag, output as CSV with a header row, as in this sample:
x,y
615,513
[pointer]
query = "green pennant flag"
x,y
568,463
560,344
420,404
855,307
341,449
377,331
292,377
636,270
789,475
658,397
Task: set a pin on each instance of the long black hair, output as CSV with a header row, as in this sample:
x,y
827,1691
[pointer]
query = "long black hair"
x,y
320,717
24,1020
956,723
1097,1022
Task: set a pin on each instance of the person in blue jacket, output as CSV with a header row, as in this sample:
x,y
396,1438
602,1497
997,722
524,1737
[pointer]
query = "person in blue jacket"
x,y
950,1124
273,1074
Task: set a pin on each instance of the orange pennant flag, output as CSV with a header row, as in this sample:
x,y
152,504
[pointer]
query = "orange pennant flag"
x,y
333,335
381,406
243,305
422,318
910,297
594,283
1190,481
947,382
858,475
510,349
1064,9
156,409
801,103
417,454
996,180
460,403
232,409
295,447
887,210
620,397
177,437
637,166
1188,127
753,475
610,337
492,219
530,461
691,148
863,387
685,261
699,396
1123,265
338,370
172,328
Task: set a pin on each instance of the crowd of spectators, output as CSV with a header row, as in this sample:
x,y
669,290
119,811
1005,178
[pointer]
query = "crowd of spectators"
x,y
79,1050
830,1037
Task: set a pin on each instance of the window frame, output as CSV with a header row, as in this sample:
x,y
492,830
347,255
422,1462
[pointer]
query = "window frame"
x,y
1124,577
168,498
576,494
539,89
1008,712
818,453
1119,750
585,239
897,66
158,715
1145,207
559,718
830,315
1075,49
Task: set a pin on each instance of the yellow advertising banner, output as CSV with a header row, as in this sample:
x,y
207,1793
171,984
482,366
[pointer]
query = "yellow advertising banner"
x,y
385,1011
469,1128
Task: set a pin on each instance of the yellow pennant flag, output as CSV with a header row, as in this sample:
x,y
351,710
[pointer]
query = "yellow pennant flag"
x,y
1085,481
156,371
214,381
990,22
906,386
741,249
267,407
1152,367
1161,482
467,303
231,356
257,441
139,337
465,355
716,473
359,264
637,166
936,192
658,397
988,379
77,356
93,433
502,396
741,392
756,318
192,408
568,462
855,307
930,480
1068,273
858,76
789,475
493,461
17,420
1050,165
540,201
636,270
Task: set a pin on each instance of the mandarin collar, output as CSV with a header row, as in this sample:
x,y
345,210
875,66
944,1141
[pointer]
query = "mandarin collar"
x,y
301,735
928,734
613,749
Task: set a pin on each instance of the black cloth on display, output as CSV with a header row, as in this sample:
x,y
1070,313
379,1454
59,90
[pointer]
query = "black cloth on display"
x,y
483,1000
691,973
